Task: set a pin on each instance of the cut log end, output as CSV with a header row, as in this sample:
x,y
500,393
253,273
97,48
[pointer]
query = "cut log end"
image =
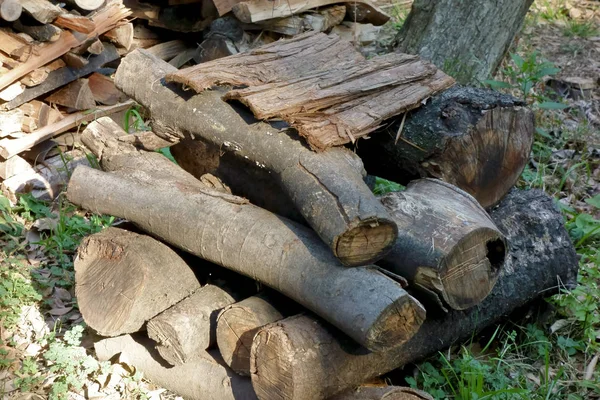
x,y
470,271
89,5
366,243
396,324
234,339
163,334
10,10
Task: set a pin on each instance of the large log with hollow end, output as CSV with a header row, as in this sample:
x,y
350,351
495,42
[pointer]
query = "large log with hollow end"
x,y
200,379
238,323
122,279
447,244
188,328
302,358
476,139
326,188
162,199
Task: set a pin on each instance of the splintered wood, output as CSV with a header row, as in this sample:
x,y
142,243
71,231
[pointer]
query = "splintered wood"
x,y
321,86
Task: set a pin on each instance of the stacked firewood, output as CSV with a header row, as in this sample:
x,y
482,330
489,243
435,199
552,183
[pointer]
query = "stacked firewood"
x,y
330,285
261,264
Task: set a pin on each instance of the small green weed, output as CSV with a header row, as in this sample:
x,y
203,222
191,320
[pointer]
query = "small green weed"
x,y
383,186
582,29
133,120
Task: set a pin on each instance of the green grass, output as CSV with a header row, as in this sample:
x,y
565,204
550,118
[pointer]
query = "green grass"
x,y
582,29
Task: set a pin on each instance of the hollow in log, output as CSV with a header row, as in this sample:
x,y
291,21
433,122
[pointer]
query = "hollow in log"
x,y
123,279
476,139
302,358
327,188
188,328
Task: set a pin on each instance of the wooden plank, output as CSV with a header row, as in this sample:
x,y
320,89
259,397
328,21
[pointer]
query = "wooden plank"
x,y
108,18
9,148
42,10
329,100
63,76
261,10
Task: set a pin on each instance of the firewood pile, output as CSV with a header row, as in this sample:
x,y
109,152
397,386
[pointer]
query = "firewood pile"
x,y
261,264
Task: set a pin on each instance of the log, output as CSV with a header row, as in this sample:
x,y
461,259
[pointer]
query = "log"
x,y
34,78
201,379
41,33
87,5
123,279
104,90
10,122
9,148
329,101
188,328
326,188
476,139
370,307
167,50
305,359
76,95
46,180
74,61
260,10
121,36
320,21
10,10
13,166
106,19
450,35
75,23
12,44
238,323
382,393
42,10
447,244
60,77
37,110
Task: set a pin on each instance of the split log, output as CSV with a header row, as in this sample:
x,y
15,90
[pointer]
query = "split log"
x,y
450,34
260,10
60,77
10,10
121,36
104,90
14,166
37,110
75,23
35,78
11,43
10,122
238,323
75,61
76,95
370,307
41,33
382,393
188,328
87,5
124,279
96,48
106,19
476,139
302,358
42,10
326,188
9,148
320,21
12,91
447,244
167,50
47,179
330,101
200,379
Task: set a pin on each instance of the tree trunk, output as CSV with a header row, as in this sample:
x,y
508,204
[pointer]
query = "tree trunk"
x,y
238,323
123,279
326,188
157,195
467,39
301,358
200,379
382,393
188,328
476,139
447,244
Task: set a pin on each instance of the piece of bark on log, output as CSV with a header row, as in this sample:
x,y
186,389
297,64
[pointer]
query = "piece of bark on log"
x,y
309,360
476,139
449,34
63,76
238,323
382,393
326,188
187,329
370,307
331,101
124,279
200,379
260,10
447,244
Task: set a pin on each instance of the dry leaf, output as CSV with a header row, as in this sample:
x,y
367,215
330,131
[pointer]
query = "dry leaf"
x,y
60,311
